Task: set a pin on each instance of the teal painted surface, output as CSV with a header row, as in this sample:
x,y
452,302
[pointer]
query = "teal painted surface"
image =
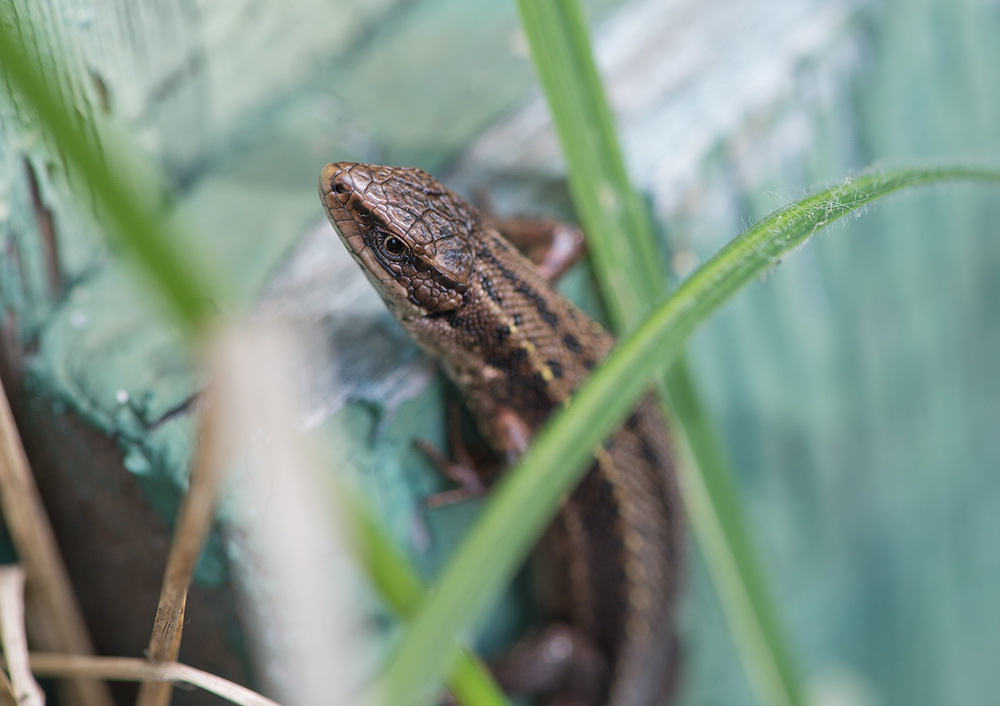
x,y
857,385
245,161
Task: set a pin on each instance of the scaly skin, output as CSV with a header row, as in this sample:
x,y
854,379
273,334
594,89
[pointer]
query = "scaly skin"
x,y
609,565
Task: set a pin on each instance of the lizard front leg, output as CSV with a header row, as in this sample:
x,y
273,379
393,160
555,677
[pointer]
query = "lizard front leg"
x,y
553,246
509,434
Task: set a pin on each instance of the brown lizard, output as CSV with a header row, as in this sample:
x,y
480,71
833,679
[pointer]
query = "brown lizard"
x,y
608,567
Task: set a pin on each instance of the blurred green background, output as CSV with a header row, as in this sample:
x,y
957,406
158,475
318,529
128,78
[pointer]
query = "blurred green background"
x,y
857,385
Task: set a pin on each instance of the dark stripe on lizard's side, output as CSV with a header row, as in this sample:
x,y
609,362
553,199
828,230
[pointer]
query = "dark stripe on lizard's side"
x,y
487,283
522,288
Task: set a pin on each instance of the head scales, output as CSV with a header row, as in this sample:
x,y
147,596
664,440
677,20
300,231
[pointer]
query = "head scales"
x,y
413,238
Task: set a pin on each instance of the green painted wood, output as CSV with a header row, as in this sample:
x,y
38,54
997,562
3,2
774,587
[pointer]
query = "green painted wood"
x,y
857,384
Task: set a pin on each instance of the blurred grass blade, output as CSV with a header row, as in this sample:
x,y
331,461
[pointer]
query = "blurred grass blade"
x,y
125,191
629,270
469,680
715,511
131,200
624,255
524,500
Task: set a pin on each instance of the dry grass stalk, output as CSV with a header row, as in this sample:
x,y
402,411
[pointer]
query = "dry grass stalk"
x,y
134,669
15,642
55,617
304,621
7,697
194,522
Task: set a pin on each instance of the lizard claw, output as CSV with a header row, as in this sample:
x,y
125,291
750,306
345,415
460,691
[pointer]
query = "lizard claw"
x,y
469,484
461,471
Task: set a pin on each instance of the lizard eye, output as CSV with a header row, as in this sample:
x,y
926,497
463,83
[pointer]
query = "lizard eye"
x,y
393,246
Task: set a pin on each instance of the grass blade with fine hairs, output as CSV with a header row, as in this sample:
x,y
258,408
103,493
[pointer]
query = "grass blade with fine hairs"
x,y
624,258
525,499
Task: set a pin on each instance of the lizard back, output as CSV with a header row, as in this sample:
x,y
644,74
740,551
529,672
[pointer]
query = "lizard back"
x,y
609,564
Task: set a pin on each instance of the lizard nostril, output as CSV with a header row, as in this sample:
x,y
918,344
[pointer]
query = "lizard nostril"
x,y
339,188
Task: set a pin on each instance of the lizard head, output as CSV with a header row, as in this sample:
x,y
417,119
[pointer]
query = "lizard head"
x,y
412,237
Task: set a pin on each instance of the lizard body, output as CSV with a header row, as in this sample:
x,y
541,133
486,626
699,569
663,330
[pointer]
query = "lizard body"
x,y
608,566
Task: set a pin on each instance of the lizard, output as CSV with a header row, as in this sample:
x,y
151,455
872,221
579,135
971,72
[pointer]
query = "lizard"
x,y
609,565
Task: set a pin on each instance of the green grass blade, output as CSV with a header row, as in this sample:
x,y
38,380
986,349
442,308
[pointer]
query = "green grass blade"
x,y
126,193
715,511
625,255
525,498
628,269
401,586
713,500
